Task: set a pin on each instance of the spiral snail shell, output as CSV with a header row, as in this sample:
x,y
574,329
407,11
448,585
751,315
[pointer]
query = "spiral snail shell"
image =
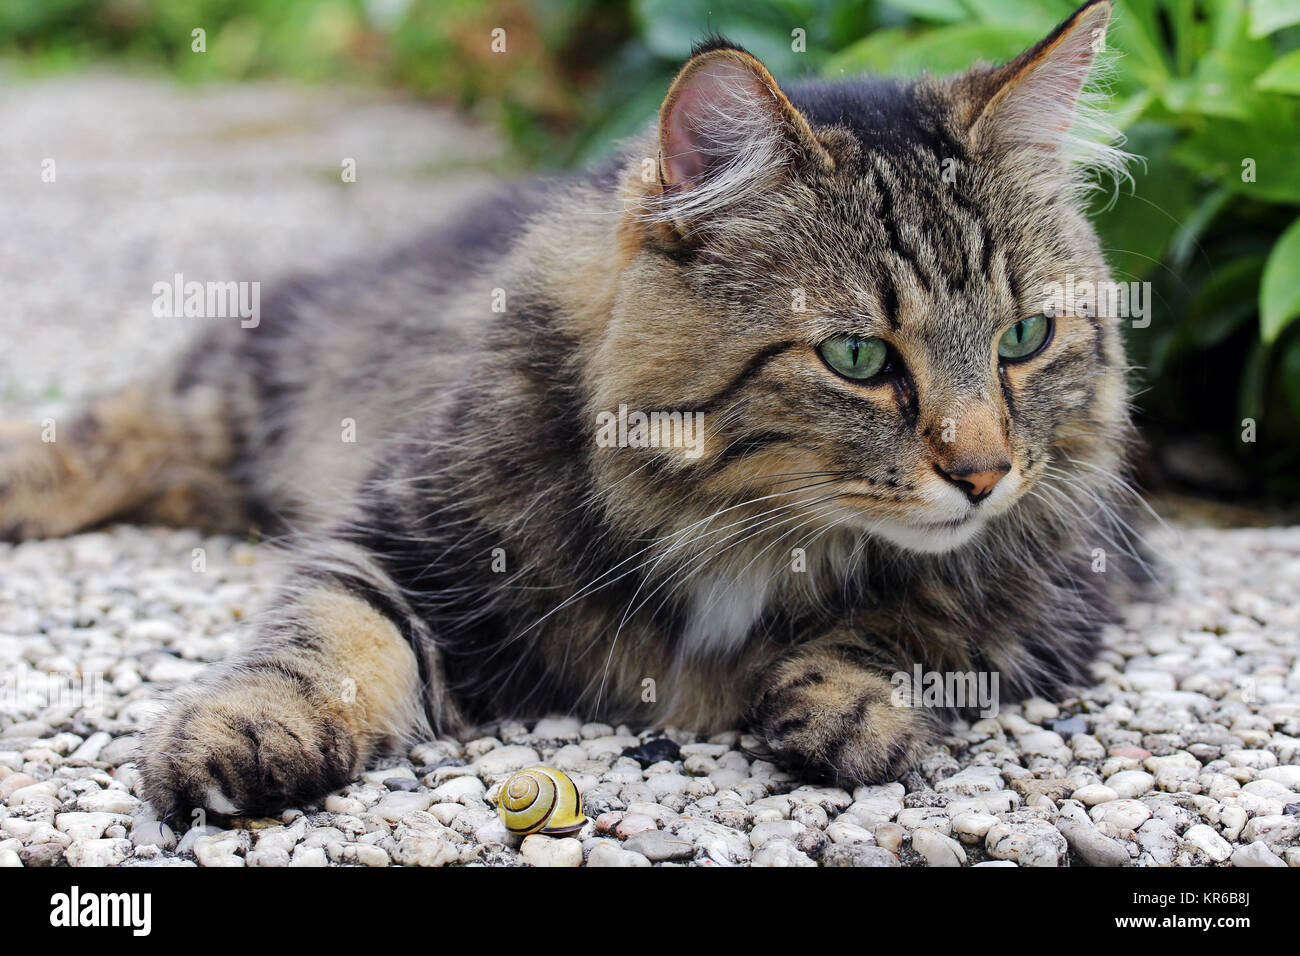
x,y
540,800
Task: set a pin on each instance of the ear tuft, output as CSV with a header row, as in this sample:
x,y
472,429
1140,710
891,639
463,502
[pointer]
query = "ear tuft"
x,y
1043,104
716,41
726,133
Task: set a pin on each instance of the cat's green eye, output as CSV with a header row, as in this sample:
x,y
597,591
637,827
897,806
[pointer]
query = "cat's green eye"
x,y
854,356
1025,338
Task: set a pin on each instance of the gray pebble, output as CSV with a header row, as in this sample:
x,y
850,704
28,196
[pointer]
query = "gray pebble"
x,y
657,845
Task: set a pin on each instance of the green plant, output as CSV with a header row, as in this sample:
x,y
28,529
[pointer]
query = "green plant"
x,y
1210,95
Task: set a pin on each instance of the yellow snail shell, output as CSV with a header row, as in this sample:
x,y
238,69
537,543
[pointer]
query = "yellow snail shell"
x,y
540,800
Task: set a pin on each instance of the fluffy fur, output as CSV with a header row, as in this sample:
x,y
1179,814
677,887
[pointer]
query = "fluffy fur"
x,y
476,553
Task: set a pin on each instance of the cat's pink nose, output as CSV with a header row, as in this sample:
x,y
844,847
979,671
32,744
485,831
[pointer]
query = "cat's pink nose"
x,y
976,484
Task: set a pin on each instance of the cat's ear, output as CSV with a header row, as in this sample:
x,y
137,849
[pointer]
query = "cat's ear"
x,y
1035,104
725,130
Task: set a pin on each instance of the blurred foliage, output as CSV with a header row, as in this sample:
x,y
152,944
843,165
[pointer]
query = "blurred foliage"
x,y
1208,92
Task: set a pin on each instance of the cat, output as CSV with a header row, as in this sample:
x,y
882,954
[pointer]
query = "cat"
x,y
873,452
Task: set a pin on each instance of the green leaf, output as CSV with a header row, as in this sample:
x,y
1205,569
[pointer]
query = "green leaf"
x,y
1223,78
1138,34
670,27
939,51
845,23
942,11
1038,15
1224,301
1137,229
1283,76
1182,22
1253,387
1269,16
1186,241
1288,369
1271,141
633,114
1279,292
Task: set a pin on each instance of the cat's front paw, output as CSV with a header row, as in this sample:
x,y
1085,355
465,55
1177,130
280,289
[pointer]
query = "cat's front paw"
x,y
839,725
250,744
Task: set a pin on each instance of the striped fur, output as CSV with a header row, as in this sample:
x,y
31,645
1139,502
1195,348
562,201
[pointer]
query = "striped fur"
x,y
475,553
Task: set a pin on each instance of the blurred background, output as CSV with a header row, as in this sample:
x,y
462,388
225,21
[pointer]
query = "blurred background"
x,y
1207,91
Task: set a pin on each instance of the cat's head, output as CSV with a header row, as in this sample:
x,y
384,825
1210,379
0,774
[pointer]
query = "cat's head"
x,y
850,280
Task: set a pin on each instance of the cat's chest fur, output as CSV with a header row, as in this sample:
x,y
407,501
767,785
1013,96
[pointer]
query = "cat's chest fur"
x,y
721,611
724,606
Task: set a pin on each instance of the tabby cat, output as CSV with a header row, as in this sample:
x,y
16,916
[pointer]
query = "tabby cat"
x,y
727,432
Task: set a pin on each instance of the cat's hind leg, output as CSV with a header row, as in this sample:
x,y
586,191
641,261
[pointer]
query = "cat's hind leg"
x,y
150,454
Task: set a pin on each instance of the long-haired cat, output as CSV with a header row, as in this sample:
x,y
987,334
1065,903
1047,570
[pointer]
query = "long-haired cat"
x,y
729,431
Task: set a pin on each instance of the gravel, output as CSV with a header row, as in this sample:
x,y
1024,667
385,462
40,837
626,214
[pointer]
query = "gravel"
x,y
1185,753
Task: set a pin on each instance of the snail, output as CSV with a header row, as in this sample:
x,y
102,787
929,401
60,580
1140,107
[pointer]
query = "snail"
x,y
540,800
